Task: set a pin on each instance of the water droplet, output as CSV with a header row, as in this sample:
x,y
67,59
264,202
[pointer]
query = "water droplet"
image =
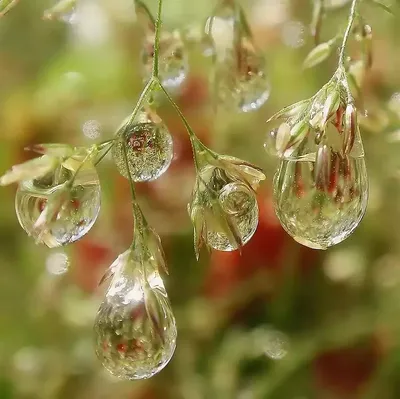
x,y
293,34
149,148
75,216
320,200
238,202
91,129
242,82
135,329
57,263
174,65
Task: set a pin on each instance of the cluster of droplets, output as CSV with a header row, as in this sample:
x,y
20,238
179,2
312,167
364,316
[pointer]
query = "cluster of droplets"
x,y
240,81
135,329
321,184
148,146
58,198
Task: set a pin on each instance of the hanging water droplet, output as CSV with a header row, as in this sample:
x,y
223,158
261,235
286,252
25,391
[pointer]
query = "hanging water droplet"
x,y
320,200
238,203
135,329
75,215
241,80
173,64
149,148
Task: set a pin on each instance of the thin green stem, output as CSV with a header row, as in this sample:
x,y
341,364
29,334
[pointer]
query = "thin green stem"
x,y
194,140
346,36
88,156
157,40
131,183
135,111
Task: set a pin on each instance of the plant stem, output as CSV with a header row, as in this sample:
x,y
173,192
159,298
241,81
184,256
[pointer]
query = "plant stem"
x,y
142,97
195,142
157,40
122,140
350,22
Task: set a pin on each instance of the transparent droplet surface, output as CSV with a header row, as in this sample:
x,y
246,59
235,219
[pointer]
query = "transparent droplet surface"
x,y
173,64
63,11
135,329
237,203
320,200
75,215
242,82
149,149
240,203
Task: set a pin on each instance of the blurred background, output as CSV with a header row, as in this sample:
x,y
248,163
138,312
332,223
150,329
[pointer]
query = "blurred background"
x,y
280,321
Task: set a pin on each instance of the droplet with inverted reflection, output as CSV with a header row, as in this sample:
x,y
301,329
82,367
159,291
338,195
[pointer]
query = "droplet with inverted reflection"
x,y
75,215
321,197
149,148
238,203
173,64
241,79
135,329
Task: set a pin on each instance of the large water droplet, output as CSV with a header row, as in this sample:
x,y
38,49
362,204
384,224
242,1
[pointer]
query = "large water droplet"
x,y
320,200
76,215
174,65
149,148
135,329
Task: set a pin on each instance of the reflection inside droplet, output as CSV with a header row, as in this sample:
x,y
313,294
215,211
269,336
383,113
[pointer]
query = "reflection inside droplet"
x,y
57,263
91,129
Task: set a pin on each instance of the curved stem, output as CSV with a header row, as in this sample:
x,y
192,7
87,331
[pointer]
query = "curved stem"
x,y
350,22
157,40
195,142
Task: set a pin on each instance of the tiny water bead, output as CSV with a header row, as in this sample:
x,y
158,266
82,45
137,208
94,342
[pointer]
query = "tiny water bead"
x,y
75,210
238,204
149,149
174,64
320,201
135,329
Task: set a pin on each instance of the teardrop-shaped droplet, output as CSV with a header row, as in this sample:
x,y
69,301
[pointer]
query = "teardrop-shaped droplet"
x,y
238,205
75,216
321,200
149,148
241,79
173,59
135,329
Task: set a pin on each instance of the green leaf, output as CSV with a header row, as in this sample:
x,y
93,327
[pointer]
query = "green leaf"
x,y
317,55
